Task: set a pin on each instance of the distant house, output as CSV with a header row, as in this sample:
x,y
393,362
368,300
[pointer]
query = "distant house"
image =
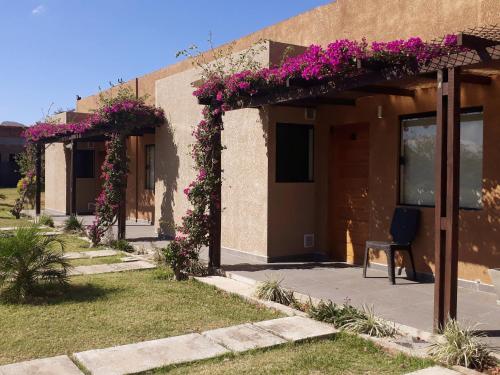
x,y
11,143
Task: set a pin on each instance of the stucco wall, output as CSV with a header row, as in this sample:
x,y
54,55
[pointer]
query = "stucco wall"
x,y
56,177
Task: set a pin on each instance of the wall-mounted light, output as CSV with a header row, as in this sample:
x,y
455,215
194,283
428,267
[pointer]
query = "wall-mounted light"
x,y
380,113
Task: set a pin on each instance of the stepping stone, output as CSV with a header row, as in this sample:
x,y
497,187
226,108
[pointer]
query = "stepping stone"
x,y
243,337
113,267
148,355
296,328
435,370
229,285
46,366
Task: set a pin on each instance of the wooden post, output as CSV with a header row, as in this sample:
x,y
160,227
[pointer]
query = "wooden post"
x,y
38,179
214,248
447,196
122,209
72,179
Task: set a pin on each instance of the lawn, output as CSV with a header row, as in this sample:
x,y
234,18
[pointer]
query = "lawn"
x,y
6,218
111,309
100,260
343,354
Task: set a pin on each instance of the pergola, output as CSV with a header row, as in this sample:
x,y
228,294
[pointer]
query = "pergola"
x,y
101,134
479,57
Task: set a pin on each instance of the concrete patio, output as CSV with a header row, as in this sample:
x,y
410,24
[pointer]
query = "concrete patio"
x,y
408,302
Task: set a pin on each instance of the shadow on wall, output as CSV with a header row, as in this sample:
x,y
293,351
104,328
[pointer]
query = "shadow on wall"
x,y
169,163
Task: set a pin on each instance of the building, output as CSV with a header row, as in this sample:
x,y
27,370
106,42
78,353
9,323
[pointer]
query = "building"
x,y
282,205
11,144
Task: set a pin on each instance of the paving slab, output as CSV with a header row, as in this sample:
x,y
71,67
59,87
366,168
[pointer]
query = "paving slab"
x,y
108,268
148,355
60,365
90,254
435,370
244,337
228,285
296,328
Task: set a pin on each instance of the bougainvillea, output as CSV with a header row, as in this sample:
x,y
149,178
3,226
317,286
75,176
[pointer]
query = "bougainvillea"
x,y
114,176
117,118
338,62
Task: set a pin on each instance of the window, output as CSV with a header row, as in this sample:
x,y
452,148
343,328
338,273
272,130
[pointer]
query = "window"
x,y
150,167
84,167
294,153
418,140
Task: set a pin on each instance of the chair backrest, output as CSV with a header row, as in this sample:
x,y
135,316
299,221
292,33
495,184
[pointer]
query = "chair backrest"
x,y
404,224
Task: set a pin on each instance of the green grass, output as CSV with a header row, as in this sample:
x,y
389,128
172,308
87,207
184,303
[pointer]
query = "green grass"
x,y
343,354
112,309
100,260
6,218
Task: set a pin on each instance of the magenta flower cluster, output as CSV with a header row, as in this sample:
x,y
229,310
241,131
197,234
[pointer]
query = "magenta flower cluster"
x,y
126,111
339,60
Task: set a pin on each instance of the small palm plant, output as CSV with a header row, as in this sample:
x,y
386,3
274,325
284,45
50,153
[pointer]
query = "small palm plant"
x,y
271,290
27,259
462,346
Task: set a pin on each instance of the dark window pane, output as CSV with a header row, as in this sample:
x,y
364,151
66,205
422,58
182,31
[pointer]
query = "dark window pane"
x,y
294,153
85,164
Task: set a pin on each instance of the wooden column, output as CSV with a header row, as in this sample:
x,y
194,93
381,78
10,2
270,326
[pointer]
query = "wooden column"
x,y
72,179
447,196
122,209
214,248
38,179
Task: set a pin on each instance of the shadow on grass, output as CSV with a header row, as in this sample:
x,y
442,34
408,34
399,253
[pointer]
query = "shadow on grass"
x,y
57,294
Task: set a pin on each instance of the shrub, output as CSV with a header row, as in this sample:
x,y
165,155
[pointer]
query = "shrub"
x,y
461,346
27,259
367,323
163,273
122,245
271,290
46,220
72,224
180,256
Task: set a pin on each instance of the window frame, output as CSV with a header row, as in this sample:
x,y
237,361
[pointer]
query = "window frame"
x,y
421,115
312,161
147,167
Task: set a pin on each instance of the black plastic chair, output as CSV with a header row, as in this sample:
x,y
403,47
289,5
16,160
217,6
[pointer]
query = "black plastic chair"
x,y
404,228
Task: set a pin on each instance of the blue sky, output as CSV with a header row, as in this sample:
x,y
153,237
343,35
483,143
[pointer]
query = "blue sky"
x,y
52,50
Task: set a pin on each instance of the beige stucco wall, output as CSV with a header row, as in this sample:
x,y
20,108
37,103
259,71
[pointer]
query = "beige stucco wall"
x,y
56,177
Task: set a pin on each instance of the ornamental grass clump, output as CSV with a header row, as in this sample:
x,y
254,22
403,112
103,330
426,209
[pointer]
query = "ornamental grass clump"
x,y
29,259
365,322
351,319
271,290
462,346
46,220
72,224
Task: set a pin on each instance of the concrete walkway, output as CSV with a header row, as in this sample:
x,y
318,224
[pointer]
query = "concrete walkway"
x,y
109,268
91,254
148,355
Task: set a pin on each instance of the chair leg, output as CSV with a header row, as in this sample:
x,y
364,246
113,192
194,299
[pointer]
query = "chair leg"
x,y
412,265
391,266
365,262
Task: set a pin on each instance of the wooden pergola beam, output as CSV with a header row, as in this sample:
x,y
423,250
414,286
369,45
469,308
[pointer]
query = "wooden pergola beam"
x,y
477,44
386,90
72,178
313,102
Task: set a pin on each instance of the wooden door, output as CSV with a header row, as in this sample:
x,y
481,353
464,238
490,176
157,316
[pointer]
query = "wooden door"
x,y
348,191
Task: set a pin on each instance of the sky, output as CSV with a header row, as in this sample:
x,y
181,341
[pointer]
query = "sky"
x,y
53,50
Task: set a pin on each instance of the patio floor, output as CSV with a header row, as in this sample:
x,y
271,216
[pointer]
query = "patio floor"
x,y
407,302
